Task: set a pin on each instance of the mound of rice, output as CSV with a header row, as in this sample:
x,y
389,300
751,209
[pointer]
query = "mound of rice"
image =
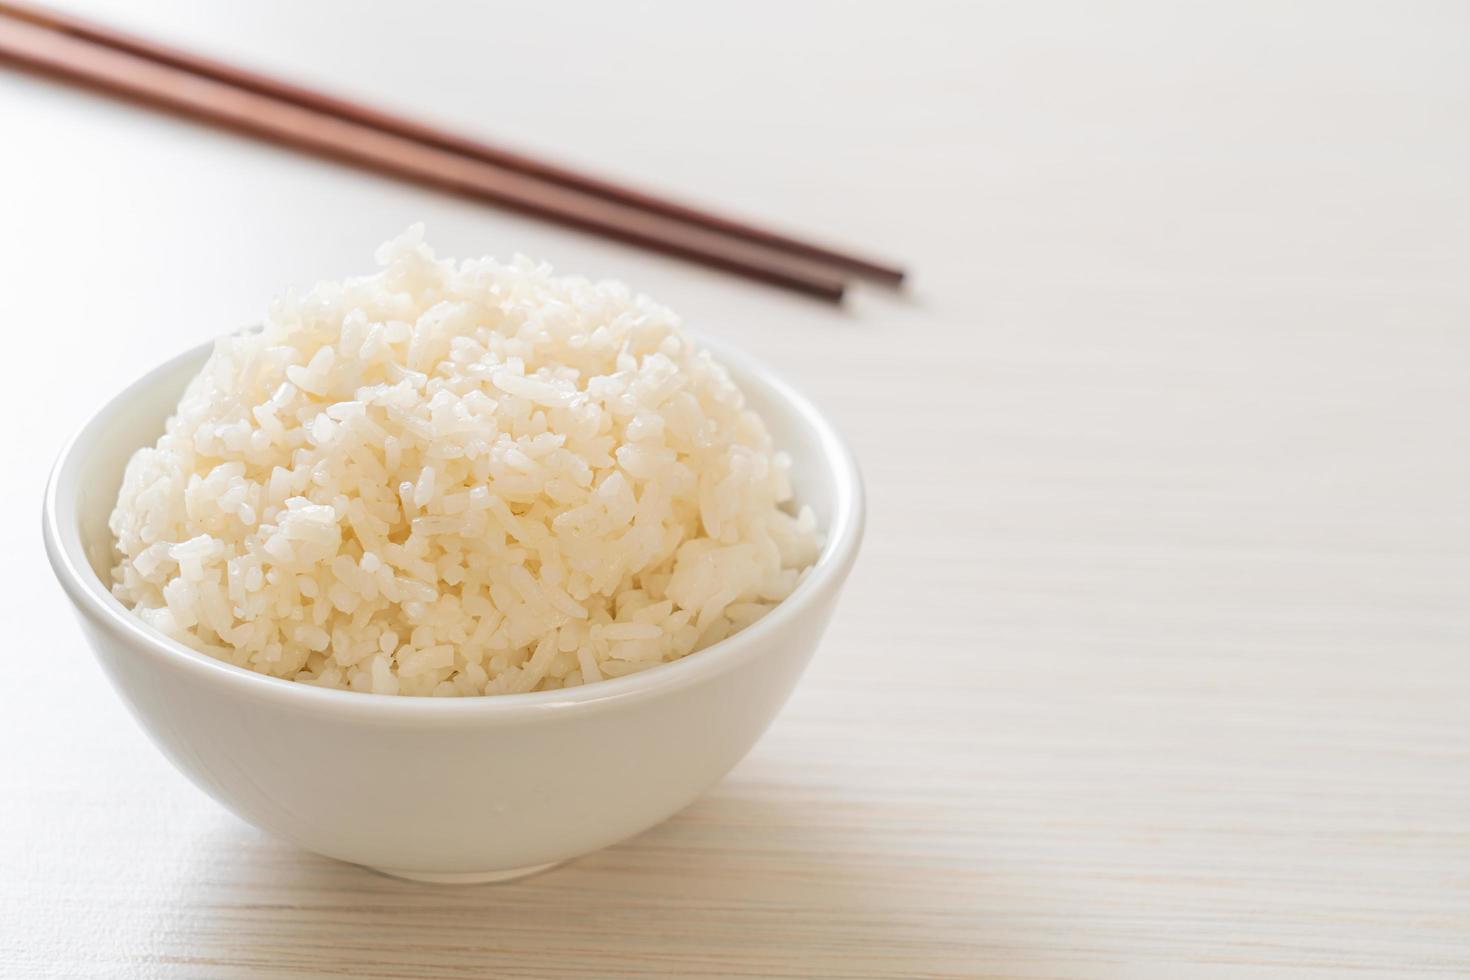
x,y
458,479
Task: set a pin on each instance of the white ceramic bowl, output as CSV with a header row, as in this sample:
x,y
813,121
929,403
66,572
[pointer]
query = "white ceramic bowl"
x,y
449,789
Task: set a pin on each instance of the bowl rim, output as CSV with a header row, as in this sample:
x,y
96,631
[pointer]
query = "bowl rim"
x,y
64,549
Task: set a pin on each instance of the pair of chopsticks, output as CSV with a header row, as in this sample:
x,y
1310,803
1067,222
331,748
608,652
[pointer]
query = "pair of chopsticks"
x,y
201,88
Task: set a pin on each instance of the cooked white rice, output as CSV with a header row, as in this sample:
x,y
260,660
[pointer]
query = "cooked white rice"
x,y
456,479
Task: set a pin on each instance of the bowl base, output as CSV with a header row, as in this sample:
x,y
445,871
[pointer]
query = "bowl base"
x,y
467,877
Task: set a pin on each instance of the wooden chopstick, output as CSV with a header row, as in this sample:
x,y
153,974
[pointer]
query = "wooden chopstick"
x,y
867,268
48,51
433,136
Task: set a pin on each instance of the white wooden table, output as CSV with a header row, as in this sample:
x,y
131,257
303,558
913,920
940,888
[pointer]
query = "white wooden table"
x,y
1157,661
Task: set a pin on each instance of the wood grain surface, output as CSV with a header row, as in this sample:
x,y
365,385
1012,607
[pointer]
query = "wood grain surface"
x,y
1157,659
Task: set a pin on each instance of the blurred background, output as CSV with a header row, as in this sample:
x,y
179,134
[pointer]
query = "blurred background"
x,y
1155,662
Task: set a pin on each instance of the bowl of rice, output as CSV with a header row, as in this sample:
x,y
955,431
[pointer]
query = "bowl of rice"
x,y
455,570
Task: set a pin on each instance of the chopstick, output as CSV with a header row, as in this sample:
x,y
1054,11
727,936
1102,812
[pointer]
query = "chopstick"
x,y
442,139
163,77
118,73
